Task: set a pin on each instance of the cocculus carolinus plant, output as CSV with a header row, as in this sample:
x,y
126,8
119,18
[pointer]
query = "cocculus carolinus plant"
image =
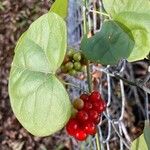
x,y
38,98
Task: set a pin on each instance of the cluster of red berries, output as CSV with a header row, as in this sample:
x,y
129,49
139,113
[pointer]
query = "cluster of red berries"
x,y
73,63
89,109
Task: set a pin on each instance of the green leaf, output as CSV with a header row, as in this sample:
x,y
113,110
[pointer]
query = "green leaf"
x,y
45,39
142,142
60,7
147,133
139,144
109,45
38,98
135,15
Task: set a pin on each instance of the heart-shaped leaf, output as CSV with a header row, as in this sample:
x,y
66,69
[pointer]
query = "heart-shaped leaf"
x,y
109,45
136,16
147,133
60,7
38,98
142,142
139,144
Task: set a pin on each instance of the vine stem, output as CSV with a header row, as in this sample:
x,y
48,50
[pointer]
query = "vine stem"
x,y
89,77
101,13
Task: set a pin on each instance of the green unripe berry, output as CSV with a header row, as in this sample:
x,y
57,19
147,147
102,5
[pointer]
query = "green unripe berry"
x,y
63,69
78,104
72,72
77,56
74,112
69,65
83,68
77,66
70,53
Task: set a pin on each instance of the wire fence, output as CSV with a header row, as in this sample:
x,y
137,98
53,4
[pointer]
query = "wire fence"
x,y
113,128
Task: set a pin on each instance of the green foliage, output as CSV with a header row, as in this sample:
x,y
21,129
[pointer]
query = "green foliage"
x,y
147,133
139,144
1,6
109,45
136,16
60,7
142,142
38,98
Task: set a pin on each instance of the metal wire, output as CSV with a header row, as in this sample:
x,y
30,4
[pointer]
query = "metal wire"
x,y
147,107
116,129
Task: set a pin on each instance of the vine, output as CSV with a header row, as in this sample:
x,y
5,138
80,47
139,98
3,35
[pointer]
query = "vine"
x,y
37,96
88,70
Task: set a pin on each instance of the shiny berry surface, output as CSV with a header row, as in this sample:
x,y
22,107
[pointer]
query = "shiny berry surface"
x,y
81,135
82,116
95,96
77,56
83,68
87,106
72,63
90,128
97,121
93,115
86,116
84,97
98,106
104,105
78,104
77,66
70,53
63,69
72,72
69,65
72,126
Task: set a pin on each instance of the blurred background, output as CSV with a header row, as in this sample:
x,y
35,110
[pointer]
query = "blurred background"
x,y
15,18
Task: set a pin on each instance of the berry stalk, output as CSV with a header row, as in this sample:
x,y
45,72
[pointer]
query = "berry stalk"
x,y
88,70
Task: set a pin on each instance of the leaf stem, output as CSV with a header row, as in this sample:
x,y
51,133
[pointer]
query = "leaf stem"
x,y
101,13
97,141
84,18
89,78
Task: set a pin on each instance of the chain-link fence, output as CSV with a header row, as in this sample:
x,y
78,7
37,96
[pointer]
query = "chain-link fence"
x,y
114,129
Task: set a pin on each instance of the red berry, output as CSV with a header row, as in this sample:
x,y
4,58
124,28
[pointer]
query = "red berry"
x,y
98,106
80,135
69,65
90,128
84,97
97,121
95,96
82,115
104,105
93,115
87,106
72,126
